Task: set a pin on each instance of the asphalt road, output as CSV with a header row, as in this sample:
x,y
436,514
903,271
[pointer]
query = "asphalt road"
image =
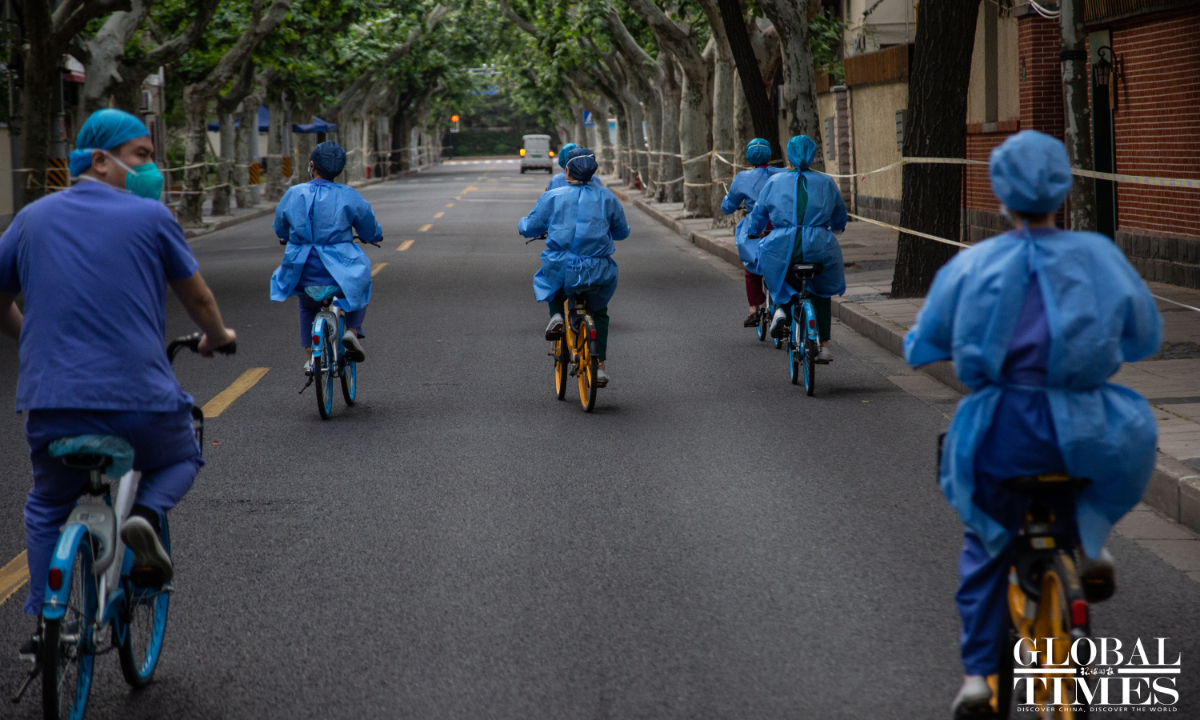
x,y
710,543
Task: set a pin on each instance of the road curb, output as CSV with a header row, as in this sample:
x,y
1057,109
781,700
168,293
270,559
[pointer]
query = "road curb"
x,y
1174,488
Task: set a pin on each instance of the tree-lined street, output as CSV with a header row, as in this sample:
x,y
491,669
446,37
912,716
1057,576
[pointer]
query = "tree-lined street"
x,y
708,543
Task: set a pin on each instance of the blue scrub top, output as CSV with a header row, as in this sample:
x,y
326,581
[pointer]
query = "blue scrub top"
x,y
317,217
93,263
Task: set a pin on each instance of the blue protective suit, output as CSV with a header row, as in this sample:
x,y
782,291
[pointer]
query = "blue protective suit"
x,y
1099,314
560,180
744,190
824,215
581,223
317,216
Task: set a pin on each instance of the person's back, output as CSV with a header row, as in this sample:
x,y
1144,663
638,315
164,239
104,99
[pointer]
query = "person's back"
x,y
89,296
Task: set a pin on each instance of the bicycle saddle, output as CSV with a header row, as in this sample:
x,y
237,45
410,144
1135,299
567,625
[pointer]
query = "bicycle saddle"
x,y
805,270
109,453
321,293
1042,483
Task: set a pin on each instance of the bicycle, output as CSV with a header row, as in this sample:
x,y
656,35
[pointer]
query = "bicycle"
x,y
574,353
329,359
803,341
88,589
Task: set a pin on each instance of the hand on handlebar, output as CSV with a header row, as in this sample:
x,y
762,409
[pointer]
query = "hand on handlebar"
x,y
368,242
539,237
226,345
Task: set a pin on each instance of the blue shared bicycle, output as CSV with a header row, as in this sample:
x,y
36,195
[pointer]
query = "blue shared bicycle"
x,y
92,584
329,358
803,342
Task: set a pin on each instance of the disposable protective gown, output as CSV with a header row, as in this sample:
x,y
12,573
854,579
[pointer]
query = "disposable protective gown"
x,y
318,217
824,215
560,180
1100,314
581,223
743,191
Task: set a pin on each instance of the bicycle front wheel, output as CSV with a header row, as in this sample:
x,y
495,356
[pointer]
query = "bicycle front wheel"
x,y
810,368
68,645
323,370
349,381
560,368
761,328
585,371
143,624
1053,621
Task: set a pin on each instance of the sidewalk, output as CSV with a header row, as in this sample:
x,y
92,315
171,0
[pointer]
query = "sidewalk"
x,y
1170,380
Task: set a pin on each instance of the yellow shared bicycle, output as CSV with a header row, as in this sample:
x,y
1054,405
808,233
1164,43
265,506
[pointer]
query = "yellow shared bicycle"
x,y
574,353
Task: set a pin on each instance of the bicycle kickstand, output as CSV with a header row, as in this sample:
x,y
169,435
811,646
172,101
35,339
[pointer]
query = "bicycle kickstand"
x,y
37,668
310,382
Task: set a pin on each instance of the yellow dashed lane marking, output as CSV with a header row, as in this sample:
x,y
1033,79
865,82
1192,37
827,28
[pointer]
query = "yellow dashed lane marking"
x,y
404,246
424,227
449,204
438,215
378,266
225,398
13,576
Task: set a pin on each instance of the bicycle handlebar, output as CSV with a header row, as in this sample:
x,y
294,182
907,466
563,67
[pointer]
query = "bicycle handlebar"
x,y
192,342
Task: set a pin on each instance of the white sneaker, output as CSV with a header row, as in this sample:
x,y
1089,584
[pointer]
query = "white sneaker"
x,y
308,366
601,378
555,329
779,326
150,558
824,356
974,697
354,348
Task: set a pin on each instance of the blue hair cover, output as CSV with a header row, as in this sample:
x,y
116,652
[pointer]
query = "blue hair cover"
x,y
104,130
582,164
801,150
758,151
1031,172
564,152
329,159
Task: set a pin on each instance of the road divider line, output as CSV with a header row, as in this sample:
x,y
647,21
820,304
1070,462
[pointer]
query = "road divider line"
x,y
450,204
378,266
13,576
403,246
425,227
438,215
225,398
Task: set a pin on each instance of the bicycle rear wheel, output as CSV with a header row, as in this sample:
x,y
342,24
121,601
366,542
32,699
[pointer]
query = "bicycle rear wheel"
x,y
144,624
761,328
560,367
323,370
585,372
68,645
810,368
794,351
349,381
1053,620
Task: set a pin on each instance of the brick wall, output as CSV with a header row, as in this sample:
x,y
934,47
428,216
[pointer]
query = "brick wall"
x,y
1041,86
1157,122
981,218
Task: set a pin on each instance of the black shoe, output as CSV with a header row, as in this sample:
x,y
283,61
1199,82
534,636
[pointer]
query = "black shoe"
x,y
554,330
29,649
751,320
152,565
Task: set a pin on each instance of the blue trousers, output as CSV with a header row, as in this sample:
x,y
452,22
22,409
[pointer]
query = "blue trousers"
x,y
165,451
308,312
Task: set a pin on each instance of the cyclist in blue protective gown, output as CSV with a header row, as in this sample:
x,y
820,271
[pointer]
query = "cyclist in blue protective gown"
x,y
743,192
581,221
560,180
1036,321
317,220
94,262
805,209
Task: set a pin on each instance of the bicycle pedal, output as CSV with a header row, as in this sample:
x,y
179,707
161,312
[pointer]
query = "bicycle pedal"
x,y
147,578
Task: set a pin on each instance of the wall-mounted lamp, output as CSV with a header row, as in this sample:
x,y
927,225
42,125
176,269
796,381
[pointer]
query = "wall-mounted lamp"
x,y
1105,73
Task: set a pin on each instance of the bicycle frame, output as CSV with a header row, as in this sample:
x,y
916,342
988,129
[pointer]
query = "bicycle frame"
x,y
98,520
319,331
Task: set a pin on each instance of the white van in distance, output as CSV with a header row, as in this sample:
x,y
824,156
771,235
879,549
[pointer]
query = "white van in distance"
x,y
536,154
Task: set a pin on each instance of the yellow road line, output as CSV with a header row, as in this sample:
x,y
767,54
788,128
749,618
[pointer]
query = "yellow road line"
x,y
438,215
13,576
225,398
378,266
450,204
405,245
424,227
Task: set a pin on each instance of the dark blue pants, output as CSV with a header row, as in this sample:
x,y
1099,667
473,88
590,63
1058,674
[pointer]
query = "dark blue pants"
x,y
164,450
308,312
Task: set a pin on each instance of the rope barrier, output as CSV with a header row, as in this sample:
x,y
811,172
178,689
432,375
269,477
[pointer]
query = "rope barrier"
x,y
906,231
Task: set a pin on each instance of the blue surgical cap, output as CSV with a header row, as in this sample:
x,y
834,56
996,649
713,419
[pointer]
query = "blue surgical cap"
x,y
758,151
1031,172
564,152
801,151
329,159
582,164
104,130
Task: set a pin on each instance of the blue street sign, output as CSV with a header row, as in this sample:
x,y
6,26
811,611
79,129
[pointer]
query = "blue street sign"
x,y
587,119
